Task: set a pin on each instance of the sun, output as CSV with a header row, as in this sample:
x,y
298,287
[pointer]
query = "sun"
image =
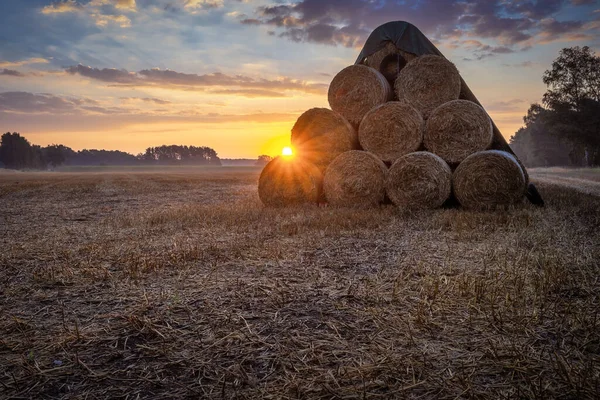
x,y
287,151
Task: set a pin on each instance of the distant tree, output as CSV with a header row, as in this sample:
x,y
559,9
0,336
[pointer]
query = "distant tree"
x,y
17,153
177,154
57,154
573,80
101,157
263,159
565,128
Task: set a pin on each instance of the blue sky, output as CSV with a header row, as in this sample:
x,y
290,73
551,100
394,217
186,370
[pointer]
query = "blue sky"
x,y
234,75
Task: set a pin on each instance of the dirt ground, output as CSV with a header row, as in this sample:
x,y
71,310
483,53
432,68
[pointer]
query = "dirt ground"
x,y
180,284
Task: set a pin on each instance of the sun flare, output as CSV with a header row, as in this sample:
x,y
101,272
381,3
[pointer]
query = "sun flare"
x,y
287,152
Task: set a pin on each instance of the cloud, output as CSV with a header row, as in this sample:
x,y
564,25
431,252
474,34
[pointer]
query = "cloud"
x,y
11,72
182,81
251,93
96,10
36,103
66,6
103,20
146,99
8,64
348,22
202,4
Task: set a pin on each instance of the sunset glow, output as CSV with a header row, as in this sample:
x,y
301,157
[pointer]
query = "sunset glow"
x,y
287,152
125,74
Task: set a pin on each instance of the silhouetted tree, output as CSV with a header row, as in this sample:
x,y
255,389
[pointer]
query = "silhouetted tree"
x,y
177,154
565,129
56,154
16,152
263,159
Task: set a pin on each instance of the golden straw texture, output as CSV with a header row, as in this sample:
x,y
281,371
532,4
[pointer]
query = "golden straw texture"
x,y
355,179
419,180
427,82
355,90
458,129
289,181
391,130
320,135
489,179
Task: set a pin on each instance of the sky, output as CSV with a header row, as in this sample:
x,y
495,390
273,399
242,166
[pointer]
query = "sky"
x,y
236,74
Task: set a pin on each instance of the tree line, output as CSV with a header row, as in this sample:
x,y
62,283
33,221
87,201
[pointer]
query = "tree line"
x,y
16,152
565,128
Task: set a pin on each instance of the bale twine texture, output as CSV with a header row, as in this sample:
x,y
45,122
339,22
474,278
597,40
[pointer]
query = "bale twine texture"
x,y
286,182
355,90
391,130
419,180
489,179
355,179
389,61
320,135
458,129
427,82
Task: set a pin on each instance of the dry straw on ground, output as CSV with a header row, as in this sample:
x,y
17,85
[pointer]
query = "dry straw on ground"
x,y
489,179
458,129
355,179
355,90
320,135
419,180
389,61
427,82
289,181
391,130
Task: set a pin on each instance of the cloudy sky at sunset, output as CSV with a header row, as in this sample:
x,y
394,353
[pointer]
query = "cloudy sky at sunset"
x,y
234,75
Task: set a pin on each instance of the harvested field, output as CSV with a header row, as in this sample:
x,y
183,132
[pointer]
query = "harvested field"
x,y
180,284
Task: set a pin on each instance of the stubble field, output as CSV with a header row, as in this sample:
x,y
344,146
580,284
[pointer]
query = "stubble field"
x,y
180,284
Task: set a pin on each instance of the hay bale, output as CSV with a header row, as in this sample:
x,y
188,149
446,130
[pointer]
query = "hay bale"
x,y
489,179
355,90
427,82
391,130
285,182
458,129
419,180
320,135
355,179
389,61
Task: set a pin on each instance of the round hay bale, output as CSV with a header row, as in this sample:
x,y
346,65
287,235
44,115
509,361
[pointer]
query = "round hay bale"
x,y
355,90
320,135
285,182
419,180
355,179
389,61
458,129
489,179
427,82
391,130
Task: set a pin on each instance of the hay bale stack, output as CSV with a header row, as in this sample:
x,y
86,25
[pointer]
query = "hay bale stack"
x,y
285,182
458,129
419,180
355,179
355,90
489,179
320,135
391,130
427,82
389,61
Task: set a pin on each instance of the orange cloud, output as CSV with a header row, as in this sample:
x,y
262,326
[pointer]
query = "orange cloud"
x,y
9,64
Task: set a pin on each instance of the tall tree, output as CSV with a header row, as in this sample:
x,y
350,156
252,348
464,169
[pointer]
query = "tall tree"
x,y
16,152
568,121
573,79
